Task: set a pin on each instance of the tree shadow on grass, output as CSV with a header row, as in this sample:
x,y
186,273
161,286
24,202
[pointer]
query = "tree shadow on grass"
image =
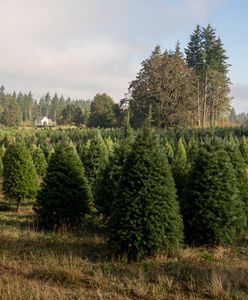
x,y
20,221
89,247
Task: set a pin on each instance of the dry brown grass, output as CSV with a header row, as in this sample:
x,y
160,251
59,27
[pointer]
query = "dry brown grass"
x,y
39,265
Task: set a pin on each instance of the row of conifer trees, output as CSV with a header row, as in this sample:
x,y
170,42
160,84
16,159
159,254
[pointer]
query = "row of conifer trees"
x,y
154,195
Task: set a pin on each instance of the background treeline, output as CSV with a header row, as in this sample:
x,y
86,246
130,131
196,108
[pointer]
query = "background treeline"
x,y
182,88
150,190
17,109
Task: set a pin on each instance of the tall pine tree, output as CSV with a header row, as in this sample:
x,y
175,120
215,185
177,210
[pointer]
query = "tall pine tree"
x,y
206,56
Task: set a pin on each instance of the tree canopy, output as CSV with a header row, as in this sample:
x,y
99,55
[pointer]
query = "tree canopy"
x,y
102,112
167,85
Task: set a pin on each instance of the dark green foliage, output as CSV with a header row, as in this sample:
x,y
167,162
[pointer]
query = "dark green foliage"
x,y
39,160
146,215
20,178
195,52
102,112
2,151
95,158
179,166
1,167
83,150
106,185
206,56
240,172
72,114
167,86
11,115
192,149
47,150
65,196
169,152
244,149
212,209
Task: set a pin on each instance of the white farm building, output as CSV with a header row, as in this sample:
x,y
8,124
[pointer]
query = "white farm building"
x,y
43,121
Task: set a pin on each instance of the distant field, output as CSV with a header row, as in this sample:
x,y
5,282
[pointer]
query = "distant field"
x,y
38,265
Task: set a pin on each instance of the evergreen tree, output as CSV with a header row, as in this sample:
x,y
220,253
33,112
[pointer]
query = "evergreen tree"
x,y
192,149
106,185
47,150
179,166
145,217
206,56
39,160
167,85
102,112
83,149
194,51
11,115
240,172
65,196
72,114
212,209
1,167
233,116
169,152
244,149
95,159
54,108
20,178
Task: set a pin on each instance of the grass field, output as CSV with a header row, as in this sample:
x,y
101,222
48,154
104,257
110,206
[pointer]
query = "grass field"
x,y
39,265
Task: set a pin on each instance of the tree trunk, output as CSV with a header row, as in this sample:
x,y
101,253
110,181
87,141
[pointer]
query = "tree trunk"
x,y
18,205
204,111
198,103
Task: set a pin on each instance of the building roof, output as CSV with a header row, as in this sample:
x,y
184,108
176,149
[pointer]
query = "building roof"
x,y
39,118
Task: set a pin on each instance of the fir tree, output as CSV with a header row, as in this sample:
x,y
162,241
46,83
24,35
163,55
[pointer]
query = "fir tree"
x,y
240,172
212,209
83,150
20,178
11,115
107,182
169,152
39,160
192,150
65,196
194,51
95,159
102,112
1,167
206,56
146,215
244,149
179,166
166,84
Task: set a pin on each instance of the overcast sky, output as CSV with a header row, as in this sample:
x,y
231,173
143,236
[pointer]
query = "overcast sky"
x,y
81,47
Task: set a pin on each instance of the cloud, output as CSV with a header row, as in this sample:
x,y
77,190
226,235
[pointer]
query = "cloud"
x,y
81,47
240,97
